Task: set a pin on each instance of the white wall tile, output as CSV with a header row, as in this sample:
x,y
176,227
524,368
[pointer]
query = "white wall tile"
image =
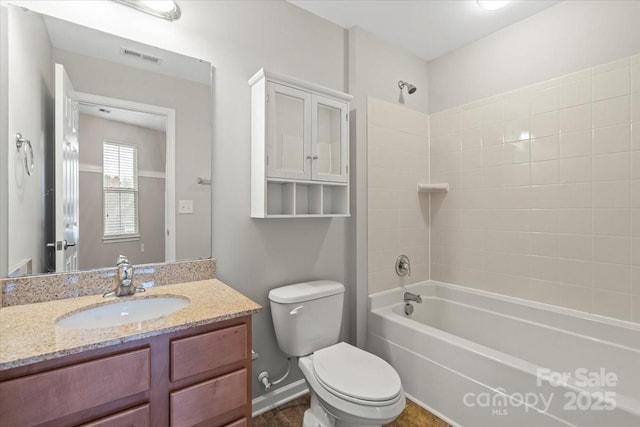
x,y
612,222
516,129
635,136
612,277
492,156
614,194
575,246
575,221
517,152
575,272
576,169
549,208
492,135
635,165
575,119
611,139
544,172
575,195
471,139
576,144
544,124
575,93
544,148
635,106
612,304
615,250
544,100
611,84
611,112
635,77
516,174
611,167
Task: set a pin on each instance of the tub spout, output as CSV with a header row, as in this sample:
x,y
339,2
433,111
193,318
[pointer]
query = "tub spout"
x,y
409,296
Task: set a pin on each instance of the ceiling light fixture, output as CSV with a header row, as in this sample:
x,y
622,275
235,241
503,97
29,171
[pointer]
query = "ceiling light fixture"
x,y
165,9
491,4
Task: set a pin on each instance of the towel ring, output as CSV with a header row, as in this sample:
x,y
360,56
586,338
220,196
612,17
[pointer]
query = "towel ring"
x,y
25,144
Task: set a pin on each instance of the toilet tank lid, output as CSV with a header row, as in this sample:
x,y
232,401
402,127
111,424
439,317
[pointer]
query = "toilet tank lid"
x,y
305,291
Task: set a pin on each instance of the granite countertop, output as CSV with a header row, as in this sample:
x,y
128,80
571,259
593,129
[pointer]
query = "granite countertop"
x,y
28,333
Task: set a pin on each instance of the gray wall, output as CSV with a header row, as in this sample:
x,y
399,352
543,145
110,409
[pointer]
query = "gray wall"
x,y
568,37
30,96
94,253
192,102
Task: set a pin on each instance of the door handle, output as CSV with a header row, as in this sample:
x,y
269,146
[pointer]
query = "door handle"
x,y
61,245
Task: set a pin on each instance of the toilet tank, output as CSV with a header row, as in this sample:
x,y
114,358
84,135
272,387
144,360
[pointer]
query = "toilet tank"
x,y
307,316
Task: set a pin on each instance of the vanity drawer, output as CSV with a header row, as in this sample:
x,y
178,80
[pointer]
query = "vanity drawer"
x,y
138,417
54,394
206,352
242,422
204,402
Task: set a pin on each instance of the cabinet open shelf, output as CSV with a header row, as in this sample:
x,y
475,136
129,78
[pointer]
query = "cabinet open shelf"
x,y
286,199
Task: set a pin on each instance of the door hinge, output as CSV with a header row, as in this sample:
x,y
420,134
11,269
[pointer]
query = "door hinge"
x,y
347,115
267,97
267,160
347,169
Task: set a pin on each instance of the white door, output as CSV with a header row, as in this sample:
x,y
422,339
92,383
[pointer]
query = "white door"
x,y
66,173
289,132
329,140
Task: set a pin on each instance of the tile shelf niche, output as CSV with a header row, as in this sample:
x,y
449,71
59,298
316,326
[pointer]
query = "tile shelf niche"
x,y
299,148
433,188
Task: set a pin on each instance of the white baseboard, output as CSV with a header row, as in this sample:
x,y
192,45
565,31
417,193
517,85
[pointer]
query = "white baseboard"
x,y
278,397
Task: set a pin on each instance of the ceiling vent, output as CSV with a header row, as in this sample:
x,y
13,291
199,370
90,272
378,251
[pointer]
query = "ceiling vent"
x,y
139,55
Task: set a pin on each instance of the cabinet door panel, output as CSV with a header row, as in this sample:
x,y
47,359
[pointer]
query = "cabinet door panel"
x,y
204,402
43,397
289,132
330,148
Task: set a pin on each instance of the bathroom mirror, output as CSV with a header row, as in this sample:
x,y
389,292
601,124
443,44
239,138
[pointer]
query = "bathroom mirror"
x,y
134,122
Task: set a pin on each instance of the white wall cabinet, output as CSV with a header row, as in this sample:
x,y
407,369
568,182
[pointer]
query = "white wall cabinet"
x,y
299,148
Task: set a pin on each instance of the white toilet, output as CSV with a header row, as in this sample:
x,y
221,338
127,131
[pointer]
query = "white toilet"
x,y
349,386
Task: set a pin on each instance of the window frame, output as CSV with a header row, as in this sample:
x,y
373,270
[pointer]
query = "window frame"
x,y
124,237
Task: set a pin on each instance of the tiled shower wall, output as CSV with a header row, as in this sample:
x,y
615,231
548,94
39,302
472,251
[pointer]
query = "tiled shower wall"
x,y
398,217
545,192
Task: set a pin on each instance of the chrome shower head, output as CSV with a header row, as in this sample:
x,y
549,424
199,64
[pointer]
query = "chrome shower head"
x,y
410,88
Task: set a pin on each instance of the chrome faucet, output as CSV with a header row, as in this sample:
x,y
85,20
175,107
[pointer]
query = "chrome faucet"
x,y
409,296
403,266
124,274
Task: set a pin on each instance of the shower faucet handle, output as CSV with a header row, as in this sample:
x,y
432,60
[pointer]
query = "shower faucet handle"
x,y
403,266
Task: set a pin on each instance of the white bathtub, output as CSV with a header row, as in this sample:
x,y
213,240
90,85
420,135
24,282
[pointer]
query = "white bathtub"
x,y
476,358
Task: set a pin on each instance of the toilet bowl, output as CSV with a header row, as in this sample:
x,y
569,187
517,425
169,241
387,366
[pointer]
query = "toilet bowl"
x,y
348,386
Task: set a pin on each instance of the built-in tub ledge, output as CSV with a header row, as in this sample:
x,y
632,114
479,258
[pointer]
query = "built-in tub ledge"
x,y
433,188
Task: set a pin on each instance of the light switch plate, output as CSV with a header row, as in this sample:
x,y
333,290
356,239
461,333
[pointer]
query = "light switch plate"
x,y
185,206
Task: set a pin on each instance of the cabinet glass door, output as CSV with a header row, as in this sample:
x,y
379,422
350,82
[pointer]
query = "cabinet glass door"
x,y
289,132
329,140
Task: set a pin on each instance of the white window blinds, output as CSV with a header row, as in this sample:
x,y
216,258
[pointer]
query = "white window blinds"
x,y
120,185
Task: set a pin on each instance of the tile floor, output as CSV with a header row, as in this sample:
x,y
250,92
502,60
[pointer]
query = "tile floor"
x,y
290,415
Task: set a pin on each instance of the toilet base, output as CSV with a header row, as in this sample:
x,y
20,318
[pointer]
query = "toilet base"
x,y
317,416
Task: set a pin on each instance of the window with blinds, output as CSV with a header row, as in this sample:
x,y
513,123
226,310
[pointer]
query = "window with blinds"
x,y
120,188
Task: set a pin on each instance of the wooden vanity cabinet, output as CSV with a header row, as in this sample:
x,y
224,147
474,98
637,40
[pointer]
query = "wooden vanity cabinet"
x,y
197,377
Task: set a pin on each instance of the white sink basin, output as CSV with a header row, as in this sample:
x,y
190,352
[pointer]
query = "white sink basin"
x,y
121,313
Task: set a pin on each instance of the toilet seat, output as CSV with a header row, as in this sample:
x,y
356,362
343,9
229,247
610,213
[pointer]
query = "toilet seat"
x,y
355,375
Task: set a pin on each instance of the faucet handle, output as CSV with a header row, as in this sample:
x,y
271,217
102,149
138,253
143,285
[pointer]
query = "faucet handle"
x,y
122,259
